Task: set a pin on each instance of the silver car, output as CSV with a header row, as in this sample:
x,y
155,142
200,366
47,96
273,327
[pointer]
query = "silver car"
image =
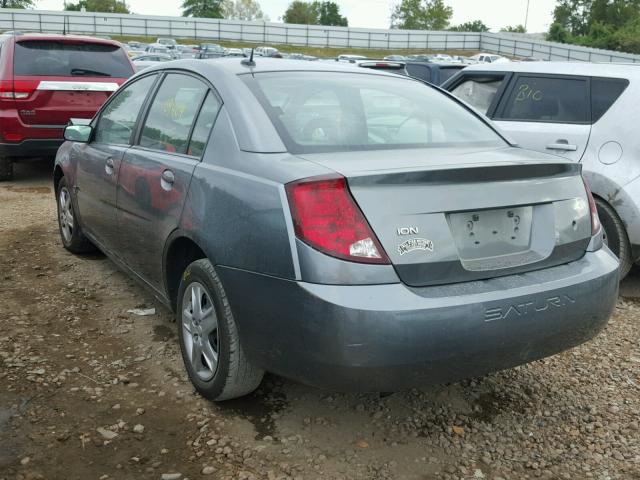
x,y
584,112
347,228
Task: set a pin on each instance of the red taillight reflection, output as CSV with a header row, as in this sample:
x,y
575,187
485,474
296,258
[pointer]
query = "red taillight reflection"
x,y
326,217
595,219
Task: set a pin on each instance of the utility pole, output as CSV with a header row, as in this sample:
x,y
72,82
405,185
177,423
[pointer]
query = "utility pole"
x,y
526,18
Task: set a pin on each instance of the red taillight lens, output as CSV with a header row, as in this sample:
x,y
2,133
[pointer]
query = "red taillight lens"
x,y
595,220
326,217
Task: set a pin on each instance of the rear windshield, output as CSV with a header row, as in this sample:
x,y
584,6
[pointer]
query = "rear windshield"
x,y
325,112
37,57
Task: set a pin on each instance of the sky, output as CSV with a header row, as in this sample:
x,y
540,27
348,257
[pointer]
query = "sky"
x,y
375,13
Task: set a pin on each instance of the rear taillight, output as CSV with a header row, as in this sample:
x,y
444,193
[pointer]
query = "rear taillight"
x,y
17,89
326,217
595,220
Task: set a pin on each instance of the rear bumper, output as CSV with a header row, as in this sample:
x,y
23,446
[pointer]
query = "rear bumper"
x,y
31,148
392,337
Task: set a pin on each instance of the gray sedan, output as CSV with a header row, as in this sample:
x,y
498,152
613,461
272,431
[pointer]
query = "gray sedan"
x,y
350,229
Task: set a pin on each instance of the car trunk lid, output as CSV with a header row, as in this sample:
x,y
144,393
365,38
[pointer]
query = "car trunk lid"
x,y
453,215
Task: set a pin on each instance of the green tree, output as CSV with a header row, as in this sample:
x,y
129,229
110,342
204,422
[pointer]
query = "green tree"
x,y
610,24
109,6
329,14
301,12
421,15
17,4
203,8
475,26
516,29
246,10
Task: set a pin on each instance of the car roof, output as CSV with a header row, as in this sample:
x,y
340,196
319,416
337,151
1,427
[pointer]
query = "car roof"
x,y
234,66
69,38
563,68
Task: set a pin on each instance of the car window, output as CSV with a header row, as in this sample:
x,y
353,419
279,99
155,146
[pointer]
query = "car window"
x,y
419,71
204,125
117,121
344,111
479,92
172,114
38,57
604,93
548,99
447,73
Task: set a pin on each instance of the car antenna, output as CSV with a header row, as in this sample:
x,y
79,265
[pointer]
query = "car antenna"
x,y
249,62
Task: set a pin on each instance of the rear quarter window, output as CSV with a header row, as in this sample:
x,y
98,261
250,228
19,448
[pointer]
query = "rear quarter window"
x,y
63,59
479,92
604,93
548,99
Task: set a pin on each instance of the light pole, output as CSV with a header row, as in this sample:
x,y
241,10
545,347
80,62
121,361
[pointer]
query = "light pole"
x,y
526,18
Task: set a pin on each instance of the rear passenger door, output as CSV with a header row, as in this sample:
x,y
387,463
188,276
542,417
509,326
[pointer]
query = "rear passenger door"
x,y
156,172
547,113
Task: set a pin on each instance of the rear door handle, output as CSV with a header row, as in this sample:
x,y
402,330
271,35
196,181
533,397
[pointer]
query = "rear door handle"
x,y
562,146
167,179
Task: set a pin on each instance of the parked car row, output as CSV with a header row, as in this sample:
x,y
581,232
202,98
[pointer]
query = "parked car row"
x,y
387,234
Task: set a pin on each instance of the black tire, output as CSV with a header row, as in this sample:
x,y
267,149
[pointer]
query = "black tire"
x,y
234,375
615,235
6,169
73,239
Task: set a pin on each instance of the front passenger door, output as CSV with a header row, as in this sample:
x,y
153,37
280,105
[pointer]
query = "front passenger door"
x,y
156,171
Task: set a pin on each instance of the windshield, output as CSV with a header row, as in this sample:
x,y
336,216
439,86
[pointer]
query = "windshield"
x,y
334,111
38,57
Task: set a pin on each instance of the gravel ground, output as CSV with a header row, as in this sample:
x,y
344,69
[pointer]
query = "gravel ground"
x,y
89,391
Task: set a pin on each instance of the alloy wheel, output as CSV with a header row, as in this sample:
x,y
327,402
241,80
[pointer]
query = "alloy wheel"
x,y
66,214
200,331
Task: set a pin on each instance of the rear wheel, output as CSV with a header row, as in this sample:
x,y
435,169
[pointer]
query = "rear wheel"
x,y
70,231
211,348
6,169
615,235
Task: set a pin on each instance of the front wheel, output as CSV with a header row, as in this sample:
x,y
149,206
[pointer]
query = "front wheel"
x,y
209,341
615,235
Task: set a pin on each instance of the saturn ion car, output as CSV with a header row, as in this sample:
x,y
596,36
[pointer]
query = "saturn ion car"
x,y
346,228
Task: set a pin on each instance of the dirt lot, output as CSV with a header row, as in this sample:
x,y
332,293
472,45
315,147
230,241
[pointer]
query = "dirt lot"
x,y
89,391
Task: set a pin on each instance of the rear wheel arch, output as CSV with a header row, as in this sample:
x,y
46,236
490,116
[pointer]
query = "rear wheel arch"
x,y
180,251
615,232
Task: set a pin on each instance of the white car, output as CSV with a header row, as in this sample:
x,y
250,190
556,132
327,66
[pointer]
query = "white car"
x,y
486,58
585,112
148,60
350,58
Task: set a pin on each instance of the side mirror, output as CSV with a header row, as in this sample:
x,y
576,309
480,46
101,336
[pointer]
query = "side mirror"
x,y
78,133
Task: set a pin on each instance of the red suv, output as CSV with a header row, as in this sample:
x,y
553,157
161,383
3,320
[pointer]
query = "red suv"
x,y
45,80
